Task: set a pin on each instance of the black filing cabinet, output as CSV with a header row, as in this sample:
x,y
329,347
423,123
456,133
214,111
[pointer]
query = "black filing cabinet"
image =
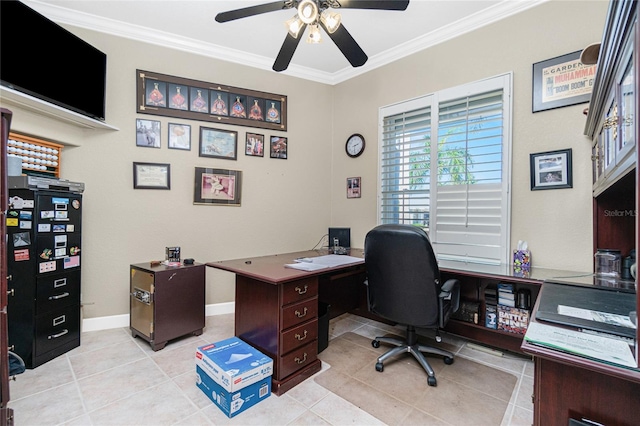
x,y
166,302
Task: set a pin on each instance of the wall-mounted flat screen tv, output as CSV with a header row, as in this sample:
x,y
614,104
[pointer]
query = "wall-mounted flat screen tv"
x,y
40,58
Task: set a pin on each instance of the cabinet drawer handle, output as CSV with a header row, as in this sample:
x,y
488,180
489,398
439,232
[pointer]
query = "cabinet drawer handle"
x,y
59,296
301,361
11,292
55,336
301,291
301,337
300,315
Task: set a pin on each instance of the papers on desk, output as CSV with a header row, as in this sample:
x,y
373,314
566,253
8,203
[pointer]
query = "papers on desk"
x,y
322,262
589,345
591,315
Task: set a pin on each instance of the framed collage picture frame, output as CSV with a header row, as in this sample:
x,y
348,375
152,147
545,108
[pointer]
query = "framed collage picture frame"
x,y
353,187
217,187
218,143
178,97
179,136
551,170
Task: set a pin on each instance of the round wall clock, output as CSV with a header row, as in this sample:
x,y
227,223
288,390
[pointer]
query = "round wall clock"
x,y
355,145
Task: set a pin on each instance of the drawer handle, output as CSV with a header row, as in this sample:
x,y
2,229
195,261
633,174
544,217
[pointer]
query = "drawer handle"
x,y
59,296
55,336
301,361
300,315
301,291
299,337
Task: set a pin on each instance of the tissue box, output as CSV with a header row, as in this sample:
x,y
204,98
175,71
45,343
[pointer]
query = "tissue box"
x,y
521,260
233,403
233,364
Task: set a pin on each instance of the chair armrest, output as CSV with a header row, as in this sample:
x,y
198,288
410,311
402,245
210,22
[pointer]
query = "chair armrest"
x,y
450,290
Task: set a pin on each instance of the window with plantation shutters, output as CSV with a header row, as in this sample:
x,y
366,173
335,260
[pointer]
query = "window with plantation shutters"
x,y
458,187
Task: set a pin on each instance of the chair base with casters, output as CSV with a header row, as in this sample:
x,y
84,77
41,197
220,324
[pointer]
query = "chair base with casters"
x,y
411,345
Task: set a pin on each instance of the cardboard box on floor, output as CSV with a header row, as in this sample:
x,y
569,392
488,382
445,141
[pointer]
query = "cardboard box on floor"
x,y
233,364
233,403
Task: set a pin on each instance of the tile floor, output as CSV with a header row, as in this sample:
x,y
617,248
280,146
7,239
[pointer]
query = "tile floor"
x,y
114,379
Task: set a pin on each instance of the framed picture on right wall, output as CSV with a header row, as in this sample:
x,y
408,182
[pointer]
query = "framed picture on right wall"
x,y
551,170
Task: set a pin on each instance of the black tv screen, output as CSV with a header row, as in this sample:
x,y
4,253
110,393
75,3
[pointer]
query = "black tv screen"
x,y
40,58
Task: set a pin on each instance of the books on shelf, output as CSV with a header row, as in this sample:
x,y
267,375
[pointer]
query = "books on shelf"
x,y
506,295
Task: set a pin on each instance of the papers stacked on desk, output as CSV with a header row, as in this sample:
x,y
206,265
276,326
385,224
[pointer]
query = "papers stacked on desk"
x,y
583,344
322,262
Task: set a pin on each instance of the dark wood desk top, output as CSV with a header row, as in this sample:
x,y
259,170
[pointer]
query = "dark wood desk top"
x,y
630,374
271,268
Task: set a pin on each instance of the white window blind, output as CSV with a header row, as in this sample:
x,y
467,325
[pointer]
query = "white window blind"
x,y
457,188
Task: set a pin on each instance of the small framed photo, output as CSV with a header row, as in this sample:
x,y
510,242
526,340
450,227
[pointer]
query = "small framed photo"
x,y
218,143
353,187
151,176
217,186
278,147
551,170
148,133
179,136
254,145
156,94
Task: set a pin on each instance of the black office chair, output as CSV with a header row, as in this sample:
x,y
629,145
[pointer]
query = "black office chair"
x,y
404,286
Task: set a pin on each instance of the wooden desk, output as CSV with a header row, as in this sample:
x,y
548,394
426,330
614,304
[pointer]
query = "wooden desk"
x,y
277,310
569,386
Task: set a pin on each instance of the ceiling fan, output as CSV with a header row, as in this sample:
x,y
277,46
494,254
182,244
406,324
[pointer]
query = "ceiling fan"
x,y
315,13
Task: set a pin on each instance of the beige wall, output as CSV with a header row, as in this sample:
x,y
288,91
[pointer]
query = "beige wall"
x,y
557,224
288,204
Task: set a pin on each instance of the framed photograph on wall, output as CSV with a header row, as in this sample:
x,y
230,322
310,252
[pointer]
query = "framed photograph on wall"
x,y
151,176
148,133
254,145
217,186
562,81
218,143
551,170
278,147
353,187
179,136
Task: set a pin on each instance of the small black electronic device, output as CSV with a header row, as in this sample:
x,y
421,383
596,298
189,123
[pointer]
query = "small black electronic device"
x,y
343,235
188,261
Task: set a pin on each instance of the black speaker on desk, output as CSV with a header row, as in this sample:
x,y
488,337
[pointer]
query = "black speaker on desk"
x,y
340,237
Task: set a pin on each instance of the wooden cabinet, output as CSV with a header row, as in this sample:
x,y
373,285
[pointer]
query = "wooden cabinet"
x,y
282,322
166,302
473,283
612,126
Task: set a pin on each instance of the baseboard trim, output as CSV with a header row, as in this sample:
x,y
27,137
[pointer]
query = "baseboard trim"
x,y
117,321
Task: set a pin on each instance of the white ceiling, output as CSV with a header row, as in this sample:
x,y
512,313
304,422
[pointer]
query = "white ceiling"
x,y
189,25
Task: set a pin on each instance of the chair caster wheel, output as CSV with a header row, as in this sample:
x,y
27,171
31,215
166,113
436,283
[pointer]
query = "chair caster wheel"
x,y
431,381
438,339
379,367
448,360
375,344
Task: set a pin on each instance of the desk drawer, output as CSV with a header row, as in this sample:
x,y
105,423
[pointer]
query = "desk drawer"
x,y
297,359
299,313
299,290
299,336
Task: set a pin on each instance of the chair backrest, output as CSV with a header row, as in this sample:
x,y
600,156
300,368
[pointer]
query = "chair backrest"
x,y
402,274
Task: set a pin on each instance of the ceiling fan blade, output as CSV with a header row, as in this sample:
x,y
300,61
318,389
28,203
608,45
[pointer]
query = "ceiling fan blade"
x,y
347,45
287,50
374,4
245,12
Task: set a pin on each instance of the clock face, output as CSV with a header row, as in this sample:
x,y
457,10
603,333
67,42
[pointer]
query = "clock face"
x,y
355,145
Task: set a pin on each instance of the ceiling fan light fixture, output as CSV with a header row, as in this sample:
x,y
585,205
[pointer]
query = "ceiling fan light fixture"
x,y
331,20
294,25
308,11
314,34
